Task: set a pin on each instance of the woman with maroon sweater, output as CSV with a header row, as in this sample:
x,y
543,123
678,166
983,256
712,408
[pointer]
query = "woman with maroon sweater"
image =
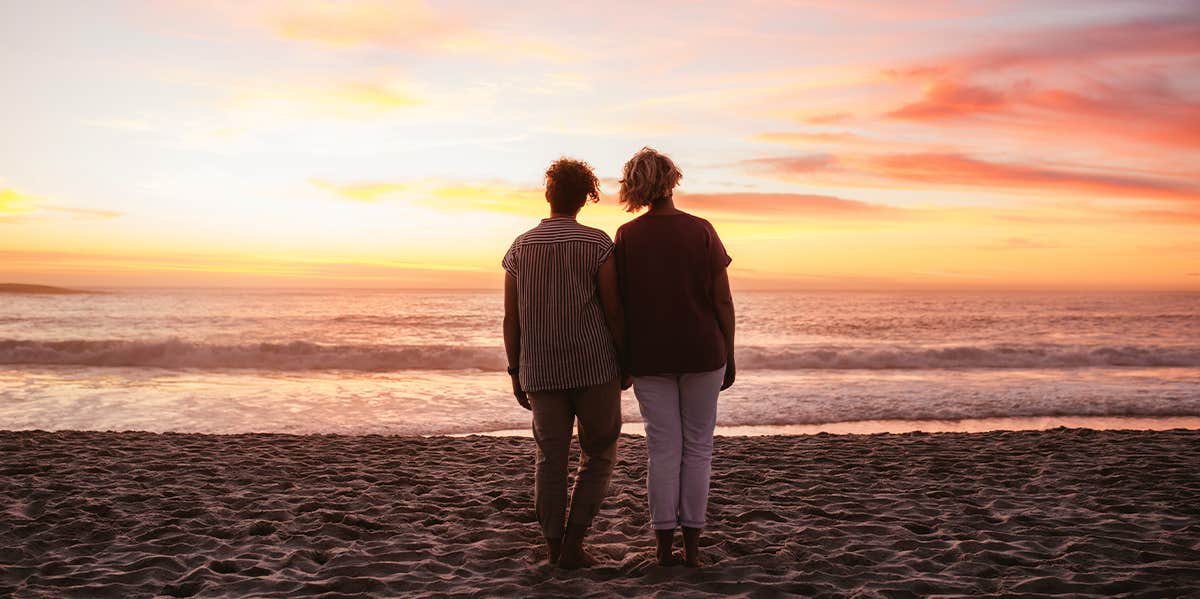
x,y
679,339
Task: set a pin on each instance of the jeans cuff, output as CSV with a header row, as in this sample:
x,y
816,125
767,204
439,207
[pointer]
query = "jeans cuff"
x,y
693,524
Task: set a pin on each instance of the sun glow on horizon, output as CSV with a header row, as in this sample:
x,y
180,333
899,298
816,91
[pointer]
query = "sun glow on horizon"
x,y
991,145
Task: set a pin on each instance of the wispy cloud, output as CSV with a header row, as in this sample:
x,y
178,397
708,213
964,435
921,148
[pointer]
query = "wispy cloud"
x,y
742,206
406,23
442,195
829,118
410,25
189,268
13,204
791,165
1167,35
948,99
965,171
1021,243
934,170
86,213
361,191
345,99
18,207
813,138
1161,215
1072,84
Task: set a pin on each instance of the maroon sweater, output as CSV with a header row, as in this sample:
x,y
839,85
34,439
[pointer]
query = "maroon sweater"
x,y
667,264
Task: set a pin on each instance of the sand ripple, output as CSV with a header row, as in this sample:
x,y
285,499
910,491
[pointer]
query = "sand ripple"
x,y
1055,513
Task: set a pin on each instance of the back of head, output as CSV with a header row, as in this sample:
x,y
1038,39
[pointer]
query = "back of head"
x,y
648,178
570,184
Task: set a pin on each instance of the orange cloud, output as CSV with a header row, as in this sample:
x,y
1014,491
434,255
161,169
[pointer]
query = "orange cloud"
x,y
947,99
961,170
791,165
1118,80
1182,217
1021,243
829,118
393,23
1149,111
746,206
190,269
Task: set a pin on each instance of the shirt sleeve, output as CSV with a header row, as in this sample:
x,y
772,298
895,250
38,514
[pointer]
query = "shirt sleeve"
x,y
510,257
603,251
718,257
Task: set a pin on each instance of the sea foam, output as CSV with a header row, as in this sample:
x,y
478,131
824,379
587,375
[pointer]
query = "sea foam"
x,y
303,355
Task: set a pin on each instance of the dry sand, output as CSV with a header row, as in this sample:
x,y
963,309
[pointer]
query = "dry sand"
x,y
1061,512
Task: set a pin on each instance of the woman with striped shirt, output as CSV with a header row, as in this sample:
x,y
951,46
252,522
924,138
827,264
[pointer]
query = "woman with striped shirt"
x,y
563,331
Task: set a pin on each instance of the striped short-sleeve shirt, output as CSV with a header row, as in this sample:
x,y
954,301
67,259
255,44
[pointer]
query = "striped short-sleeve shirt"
x,y
565,342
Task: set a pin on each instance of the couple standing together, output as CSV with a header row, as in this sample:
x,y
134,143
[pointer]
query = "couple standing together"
x,y
584,315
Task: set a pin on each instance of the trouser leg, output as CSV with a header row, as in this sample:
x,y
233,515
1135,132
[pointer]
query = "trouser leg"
x,y
598,410
698,415
658,401
553,419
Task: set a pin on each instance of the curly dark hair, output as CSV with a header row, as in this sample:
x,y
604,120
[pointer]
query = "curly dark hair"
x,y
570,184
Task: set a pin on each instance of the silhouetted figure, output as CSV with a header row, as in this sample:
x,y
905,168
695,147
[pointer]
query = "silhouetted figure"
x,y
680,325
563,333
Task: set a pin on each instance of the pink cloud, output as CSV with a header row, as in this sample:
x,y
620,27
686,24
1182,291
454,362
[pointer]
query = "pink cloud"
x,y
947,99
1117,80
786,204
962,170
792,165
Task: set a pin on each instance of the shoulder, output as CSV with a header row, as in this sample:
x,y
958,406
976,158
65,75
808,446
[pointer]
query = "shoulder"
x,y
633,224
696,220
593,234
700,224
561,231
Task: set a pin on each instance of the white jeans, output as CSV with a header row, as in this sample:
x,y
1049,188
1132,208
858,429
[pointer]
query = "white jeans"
x,y
679,412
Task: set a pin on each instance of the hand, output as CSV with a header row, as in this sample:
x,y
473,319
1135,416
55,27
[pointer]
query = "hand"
x,y
519,393
730,374
626,381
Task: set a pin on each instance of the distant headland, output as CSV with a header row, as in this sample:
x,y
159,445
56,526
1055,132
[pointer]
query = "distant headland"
x,y
39,289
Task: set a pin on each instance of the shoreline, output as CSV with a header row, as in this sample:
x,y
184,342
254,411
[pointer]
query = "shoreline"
x,y
845,428
1031,513
896,427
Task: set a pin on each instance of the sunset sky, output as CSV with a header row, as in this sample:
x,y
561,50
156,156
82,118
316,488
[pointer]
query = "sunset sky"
x,y
835,145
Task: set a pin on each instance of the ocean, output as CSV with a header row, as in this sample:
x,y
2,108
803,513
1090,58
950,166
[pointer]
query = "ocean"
x,y
423,363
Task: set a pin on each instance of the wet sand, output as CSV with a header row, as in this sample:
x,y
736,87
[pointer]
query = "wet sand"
x,y
1063,512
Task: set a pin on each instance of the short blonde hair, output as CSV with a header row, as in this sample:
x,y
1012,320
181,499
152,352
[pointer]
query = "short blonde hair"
x,y
648,177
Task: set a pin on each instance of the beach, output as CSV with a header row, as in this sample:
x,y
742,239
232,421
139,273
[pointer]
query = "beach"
x,y
1063,512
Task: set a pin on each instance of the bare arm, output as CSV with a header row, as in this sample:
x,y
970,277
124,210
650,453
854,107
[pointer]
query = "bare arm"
x,y
512,336
723,299
610,299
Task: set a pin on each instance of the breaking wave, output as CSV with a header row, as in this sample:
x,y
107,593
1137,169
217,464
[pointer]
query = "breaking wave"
x,y
303,355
